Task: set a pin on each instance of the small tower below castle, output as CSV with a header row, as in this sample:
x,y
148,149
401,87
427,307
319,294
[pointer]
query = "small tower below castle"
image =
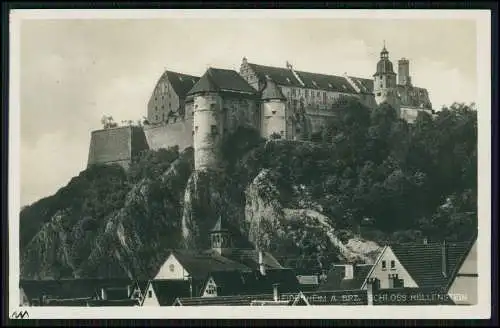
x,y
220,237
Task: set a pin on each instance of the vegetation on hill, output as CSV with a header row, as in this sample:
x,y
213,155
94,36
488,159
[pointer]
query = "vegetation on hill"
x,y
375,173
367,173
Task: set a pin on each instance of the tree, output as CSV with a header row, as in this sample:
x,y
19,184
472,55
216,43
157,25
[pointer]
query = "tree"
x,y
108,122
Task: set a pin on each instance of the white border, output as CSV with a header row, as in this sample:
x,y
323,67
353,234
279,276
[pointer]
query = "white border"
x,y
481,310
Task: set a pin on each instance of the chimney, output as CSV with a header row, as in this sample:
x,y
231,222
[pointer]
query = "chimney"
x,y
372,286
262,267
276,293
444,259
349,271
104,295
393,280
129,290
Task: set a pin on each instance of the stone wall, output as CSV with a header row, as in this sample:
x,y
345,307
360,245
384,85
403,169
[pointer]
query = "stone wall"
x,y
116,145
167,135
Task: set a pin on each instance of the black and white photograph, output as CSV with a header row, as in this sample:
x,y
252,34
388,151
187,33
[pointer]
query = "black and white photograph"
x,y
210,163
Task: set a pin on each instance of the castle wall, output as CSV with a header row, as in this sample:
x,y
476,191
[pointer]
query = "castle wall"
x,y
239,112
116,145
168,135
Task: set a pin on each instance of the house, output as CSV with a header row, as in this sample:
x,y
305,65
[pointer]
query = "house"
x,y
463,285
415,265
164,292
347,276
167,101
225,283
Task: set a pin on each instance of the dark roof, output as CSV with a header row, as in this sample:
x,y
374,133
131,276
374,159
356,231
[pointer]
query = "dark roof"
x,y
384,66
200,264
69,288
181,83
167,291
365,85
325,82
272,91
248,283
424,262
282,76
238,300
222,80
335,278
123,302
250,258
116,293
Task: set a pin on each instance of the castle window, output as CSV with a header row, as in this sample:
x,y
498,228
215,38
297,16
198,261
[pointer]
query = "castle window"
x,y
196,106
293,92
156,117
212,106
318,94
378,94
282,132
213,129
288,80
195,129
274,112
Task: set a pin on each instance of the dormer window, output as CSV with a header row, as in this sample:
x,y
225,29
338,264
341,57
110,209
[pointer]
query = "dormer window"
x,y
180,78
288,80
344,87
330,85
315,84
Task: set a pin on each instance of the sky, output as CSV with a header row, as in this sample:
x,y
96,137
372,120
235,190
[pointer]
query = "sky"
x,y
75,71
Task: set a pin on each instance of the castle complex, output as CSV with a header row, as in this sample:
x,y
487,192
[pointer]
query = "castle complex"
x,y
186,110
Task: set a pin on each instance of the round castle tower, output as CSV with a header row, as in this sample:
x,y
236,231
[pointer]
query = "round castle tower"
x,y
207,123
384,81
273,111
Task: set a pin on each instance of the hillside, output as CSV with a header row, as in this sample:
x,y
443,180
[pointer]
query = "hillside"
x,y
367,179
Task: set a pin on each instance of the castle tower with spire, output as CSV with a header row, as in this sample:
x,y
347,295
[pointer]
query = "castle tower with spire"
x,y
384,81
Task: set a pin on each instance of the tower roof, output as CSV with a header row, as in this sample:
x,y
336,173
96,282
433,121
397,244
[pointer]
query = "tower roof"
x,y
384,65
271,91
220,225
222,80
204,84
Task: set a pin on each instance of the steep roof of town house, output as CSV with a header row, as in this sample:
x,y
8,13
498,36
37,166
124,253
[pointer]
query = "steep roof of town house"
x,y
222,80
167,291
201,264
250,258
424,262
180,82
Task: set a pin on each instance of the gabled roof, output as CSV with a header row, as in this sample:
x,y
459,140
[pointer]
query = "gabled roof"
x,y
282,76
424,262
325,82
167,291
222,80
181,83
249,283
201,264
250,258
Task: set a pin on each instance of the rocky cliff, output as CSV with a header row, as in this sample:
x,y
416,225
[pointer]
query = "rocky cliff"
x,y
156,211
